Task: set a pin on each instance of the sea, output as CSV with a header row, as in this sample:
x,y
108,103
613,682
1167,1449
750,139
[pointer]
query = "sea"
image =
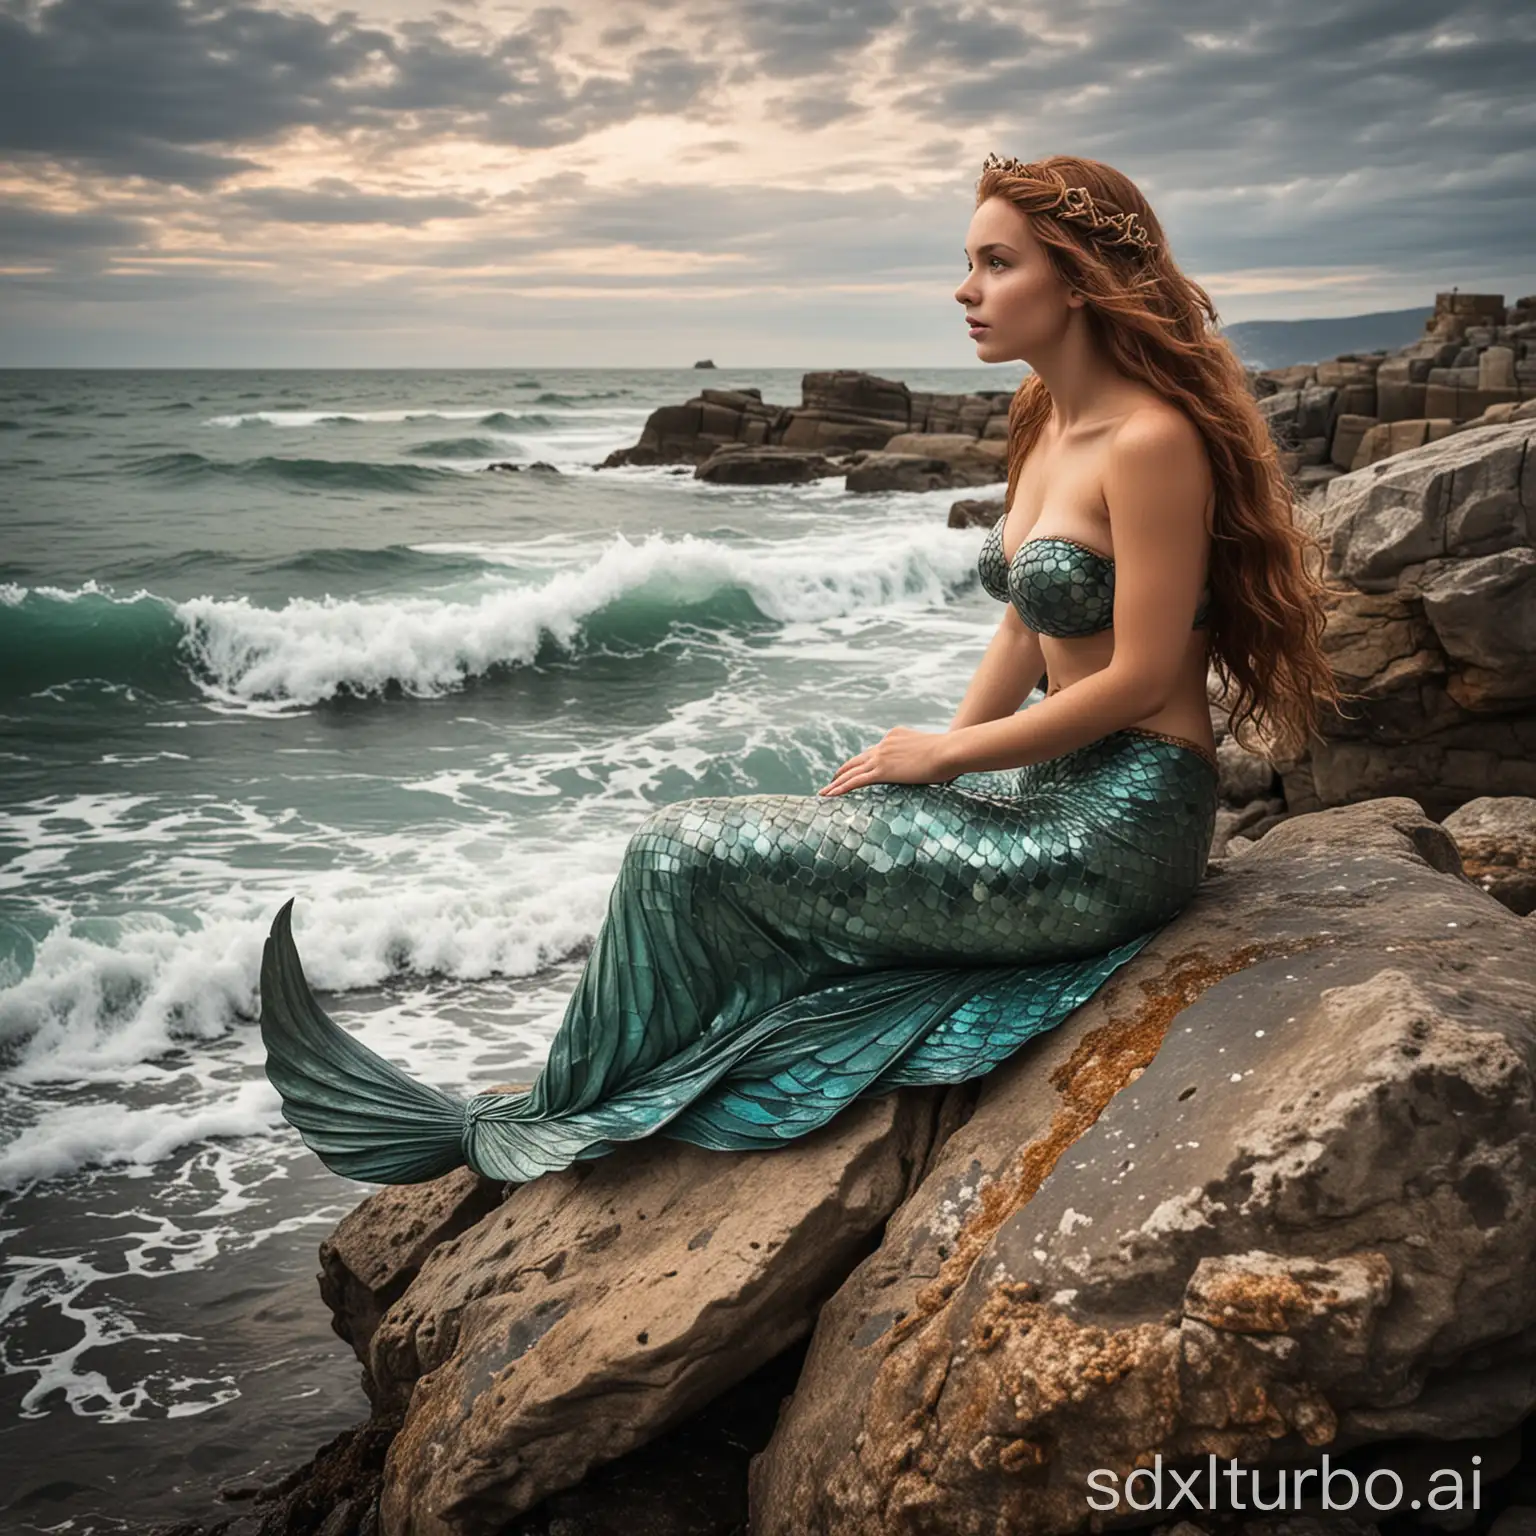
x,y
286,635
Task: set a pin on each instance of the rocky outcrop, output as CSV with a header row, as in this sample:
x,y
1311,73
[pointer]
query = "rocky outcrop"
x,y
1433,622
1474,366
1271,1192
841,411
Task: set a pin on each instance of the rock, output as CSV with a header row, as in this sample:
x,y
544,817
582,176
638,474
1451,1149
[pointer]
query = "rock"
x,y
1348,433
704,363
1297,415
918,472
737,464
599,1305
984,455
980,513
1244,775
379,1248
827,431
1271,1191
1256,817
688,434
1496,368
1433,621
857,394
1496,837
1311,476
1391,437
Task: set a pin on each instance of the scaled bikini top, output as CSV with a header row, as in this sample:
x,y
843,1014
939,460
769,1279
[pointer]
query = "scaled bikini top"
x,y
1059,587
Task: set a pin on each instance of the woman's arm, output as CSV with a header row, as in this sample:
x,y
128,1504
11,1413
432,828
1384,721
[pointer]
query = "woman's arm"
x,y
1005,675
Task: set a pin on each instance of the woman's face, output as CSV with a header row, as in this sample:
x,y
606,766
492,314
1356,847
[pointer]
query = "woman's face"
x,y
1010,286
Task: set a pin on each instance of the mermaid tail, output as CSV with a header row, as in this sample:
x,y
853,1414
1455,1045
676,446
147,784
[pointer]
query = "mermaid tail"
x,y
765,959
364,1117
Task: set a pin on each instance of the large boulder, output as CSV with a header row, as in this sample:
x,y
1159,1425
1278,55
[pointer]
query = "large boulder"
x,y
368,1262
1433,621
979,455
1271,1193
689,433
977,512
597,1306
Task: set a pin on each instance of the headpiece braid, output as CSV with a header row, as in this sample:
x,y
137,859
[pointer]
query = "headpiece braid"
x,y
1076,203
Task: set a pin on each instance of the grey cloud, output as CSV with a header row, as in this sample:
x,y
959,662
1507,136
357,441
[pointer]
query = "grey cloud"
x,y
153,87
799,37
163,88
28,231
809,112
623,36
967,37
333,201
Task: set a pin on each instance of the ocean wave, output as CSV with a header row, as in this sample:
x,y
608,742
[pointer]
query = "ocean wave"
x,y
461,447
627,598
507,421
49,636
322,474
391,561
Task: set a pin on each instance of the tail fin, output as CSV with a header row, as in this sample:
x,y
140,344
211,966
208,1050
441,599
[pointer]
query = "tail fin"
x,y
364,1118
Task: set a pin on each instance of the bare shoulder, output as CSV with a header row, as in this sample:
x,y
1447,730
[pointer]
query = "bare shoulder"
x,y
1157,444
1155,429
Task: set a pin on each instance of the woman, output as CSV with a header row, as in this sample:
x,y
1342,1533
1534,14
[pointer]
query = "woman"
x,y
766,958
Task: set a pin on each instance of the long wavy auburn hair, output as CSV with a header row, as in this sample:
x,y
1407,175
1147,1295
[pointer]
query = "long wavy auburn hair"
x,y
1267,609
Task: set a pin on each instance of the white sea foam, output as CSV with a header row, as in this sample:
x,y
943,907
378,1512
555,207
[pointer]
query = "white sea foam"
x,y
104,999
69,1138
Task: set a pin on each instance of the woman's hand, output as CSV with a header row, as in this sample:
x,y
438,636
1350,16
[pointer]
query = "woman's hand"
x,y
900,757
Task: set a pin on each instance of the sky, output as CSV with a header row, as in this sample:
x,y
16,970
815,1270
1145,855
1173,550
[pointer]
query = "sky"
x,y
768,183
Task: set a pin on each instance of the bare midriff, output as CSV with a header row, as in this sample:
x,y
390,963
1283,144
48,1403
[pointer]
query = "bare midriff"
x,y
1186,715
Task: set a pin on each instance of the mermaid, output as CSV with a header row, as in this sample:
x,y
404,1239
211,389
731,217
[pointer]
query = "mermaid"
x,y
765,959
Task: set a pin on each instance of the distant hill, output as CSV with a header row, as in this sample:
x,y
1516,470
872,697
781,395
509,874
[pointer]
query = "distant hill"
x,y
1279,343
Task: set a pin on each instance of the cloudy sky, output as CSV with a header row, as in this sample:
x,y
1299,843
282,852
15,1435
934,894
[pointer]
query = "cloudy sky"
x,y
764,182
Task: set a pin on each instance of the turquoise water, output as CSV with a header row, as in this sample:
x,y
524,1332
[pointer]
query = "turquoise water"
x,y
272,635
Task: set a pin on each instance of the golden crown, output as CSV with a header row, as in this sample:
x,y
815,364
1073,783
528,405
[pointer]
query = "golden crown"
x,y
1077,203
